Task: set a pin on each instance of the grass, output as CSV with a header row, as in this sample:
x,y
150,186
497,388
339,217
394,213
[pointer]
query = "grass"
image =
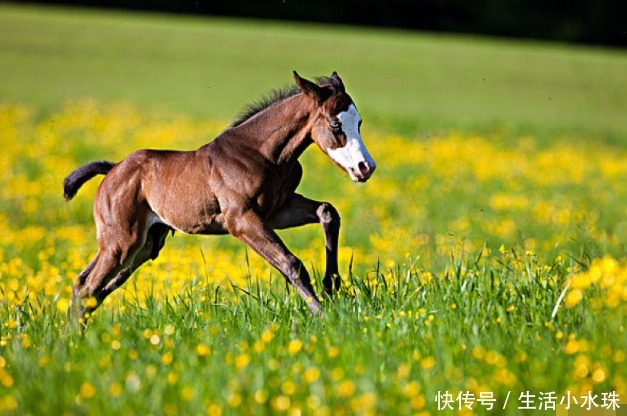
x,y
412,83
487,257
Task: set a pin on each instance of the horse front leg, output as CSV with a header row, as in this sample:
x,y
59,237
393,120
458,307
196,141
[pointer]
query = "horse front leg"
x,y
250,228
299,210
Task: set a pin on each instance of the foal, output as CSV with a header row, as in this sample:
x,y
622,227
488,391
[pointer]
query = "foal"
x,y
242,183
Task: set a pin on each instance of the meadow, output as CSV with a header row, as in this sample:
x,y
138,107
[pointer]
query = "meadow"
x,y
484,264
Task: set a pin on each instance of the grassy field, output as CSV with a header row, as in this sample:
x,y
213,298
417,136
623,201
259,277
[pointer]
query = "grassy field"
x,y
484,260
412,83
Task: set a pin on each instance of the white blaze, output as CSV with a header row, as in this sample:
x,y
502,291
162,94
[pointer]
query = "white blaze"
x,y
353,156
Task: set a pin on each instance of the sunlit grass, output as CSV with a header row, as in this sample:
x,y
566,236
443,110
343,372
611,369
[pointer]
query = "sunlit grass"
x,y
471,264
414,83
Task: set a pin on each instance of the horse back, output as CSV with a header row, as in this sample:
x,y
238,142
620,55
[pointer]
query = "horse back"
x,y
175,185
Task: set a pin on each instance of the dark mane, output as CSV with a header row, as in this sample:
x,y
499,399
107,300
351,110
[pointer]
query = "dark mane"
x,y
270,98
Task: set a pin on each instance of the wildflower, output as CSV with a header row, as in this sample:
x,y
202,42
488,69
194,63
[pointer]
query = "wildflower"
x,y
310,375
87,391
241,361
202,350
172,378
169,329
214,410
598,375
574,297
188,393
346,388
167,358
288,387
281,403
62,305
115,390
90,302
266,336
261,396
427,363
5,378
313,402
572,346
155,339
294,346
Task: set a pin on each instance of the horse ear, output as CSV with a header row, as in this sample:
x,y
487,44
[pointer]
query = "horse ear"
x,y
309,88
336,82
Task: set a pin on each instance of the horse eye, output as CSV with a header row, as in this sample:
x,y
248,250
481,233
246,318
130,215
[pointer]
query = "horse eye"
x,y
335,125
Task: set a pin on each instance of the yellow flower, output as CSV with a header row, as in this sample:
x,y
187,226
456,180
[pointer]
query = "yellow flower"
x,y
202,350
598,376
261,396
62,305
5,378
188,393
427,363
333,352
90,302
115,390
294,346
288,387
310,375
87,390
241,361
574,297
266,336
281,403
167,358
346,388
572,346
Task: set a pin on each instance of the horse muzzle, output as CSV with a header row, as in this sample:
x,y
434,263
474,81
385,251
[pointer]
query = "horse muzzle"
x,y
363,171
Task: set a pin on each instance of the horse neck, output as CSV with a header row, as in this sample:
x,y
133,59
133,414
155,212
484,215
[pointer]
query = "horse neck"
x,y
282,131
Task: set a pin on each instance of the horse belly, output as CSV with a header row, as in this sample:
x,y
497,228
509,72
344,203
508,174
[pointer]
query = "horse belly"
x,y
184,205
192,216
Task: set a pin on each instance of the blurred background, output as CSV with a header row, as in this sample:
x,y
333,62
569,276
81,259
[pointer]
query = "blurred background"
x,y
598,22
414,68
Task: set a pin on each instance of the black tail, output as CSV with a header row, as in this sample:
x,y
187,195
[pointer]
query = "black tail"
x,y
76,179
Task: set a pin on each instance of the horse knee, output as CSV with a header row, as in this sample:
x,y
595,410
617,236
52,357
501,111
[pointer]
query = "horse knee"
x,y
328,215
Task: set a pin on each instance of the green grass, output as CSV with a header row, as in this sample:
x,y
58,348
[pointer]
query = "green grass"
x,y
411,82
401,341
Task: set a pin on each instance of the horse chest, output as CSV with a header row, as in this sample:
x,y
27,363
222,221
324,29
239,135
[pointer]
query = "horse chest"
x,y
278,186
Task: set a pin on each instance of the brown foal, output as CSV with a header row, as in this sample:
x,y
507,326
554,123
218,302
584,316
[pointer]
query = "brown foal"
x,y
242,183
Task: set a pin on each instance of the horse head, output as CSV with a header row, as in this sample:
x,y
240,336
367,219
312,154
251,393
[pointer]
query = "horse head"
x,y
336,129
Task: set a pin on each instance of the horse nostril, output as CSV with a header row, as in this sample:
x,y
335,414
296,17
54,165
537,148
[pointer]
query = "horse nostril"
x,y
363,168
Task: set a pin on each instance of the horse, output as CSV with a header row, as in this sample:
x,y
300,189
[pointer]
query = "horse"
x,y
242,183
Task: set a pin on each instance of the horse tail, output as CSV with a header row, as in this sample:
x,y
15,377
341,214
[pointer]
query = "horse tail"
x,y
76,179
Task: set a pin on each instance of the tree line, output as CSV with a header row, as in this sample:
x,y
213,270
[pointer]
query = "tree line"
x,y
581,21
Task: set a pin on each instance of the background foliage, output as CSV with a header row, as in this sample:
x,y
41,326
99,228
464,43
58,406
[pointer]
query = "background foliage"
x,y
600,22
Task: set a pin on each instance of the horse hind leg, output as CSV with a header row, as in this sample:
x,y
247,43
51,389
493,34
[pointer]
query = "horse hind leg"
x,y
89,285
108,271
79,282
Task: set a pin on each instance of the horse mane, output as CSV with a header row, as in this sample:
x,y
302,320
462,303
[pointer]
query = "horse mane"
x,y
274,96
